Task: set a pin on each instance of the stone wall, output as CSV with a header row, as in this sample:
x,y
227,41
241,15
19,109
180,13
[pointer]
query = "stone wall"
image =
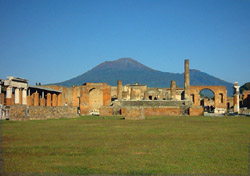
x,y
162,111
106,111
22,112
133,113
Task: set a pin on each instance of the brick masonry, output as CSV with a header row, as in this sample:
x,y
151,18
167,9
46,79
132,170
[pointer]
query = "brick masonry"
x,y
106,111
196,111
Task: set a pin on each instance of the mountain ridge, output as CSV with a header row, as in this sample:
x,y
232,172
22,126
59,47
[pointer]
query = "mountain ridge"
x,y
130,71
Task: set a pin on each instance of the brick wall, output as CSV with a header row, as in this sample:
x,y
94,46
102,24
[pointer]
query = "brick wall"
x,y
196,111
22,112
162,111
133,113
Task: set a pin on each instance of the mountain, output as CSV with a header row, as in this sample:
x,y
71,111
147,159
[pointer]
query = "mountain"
x,y
246,86
130,71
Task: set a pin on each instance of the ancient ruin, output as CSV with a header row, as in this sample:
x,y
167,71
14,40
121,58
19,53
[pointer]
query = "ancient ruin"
x,y
133,101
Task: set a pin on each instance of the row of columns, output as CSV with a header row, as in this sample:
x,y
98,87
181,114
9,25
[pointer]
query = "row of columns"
x,y
50,100
20,96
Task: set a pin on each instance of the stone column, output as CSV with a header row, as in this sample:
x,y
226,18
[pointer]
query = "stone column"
x,y
236,98
9,96
54,100
173,90
48,99
17,96
119,90
36,99
187,80
133,94
20,96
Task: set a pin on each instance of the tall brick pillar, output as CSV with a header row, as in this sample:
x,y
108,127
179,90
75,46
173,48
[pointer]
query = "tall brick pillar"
x,y
187,81
36,99
2,98
75,99
9,96
48,99
59,99
119,90
173,90
236,98
20,96
54,100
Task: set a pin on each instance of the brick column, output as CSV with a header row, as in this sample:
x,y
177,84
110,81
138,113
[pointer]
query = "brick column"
x,y
36,99
54,100
9,96
75,100
187,81
173,90
2,98
59,99
119,90
42,101
48,99
20,96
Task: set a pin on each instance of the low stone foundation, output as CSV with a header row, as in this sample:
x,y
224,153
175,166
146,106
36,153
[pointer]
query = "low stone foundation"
x,y
196,111
133,113
162,111
106,111
22,112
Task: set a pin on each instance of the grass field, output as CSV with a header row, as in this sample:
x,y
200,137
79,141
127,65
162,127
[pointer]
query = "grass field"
x,y
98,145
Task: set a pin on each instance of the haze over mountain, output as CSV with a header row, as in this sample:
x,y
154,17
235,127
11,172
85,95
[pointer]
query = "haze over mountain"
x,y
130,71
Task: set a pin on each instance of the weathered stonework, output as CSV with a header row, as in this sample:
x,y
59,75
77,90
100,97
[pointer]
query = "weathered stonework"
x,y
196,111
220,95
106,111
133,113
22,112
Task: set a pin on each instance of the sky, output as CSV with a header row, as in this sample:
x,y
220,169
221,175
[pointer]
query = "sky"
x,y
50,41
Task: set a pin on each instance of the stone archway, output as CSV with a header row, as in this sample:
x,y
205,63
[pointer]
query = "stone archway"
x,y
220,95
95,98
207,100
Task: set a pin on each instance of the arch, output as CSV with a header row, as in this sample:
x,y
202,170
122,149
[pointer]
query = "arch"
x,y
219,92
150,97
207,97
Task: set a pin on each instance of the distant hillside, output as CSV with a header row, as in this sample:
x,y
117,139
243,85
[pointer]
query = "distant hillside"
x,y
246,86
130,71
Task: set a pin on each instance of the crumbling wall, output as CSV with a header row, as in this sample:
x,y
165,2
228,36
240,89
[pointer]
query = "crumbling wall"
x,y
22,112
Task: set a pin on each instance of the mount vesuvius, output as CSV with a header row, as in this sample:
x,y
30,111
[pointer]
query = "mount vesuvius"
x,y
130,71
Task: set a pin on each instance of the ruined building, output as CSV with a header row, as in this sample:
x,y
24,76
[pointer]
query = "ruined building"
x,y
134,101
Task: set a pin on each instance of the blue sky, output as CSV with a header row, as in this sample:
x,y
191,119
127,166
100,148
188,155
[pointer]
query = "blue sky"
x,y
54,40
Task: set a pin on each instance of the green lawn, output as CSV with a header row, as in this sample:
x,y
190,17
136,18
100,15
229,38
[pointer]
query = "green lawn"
x,y
95,145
